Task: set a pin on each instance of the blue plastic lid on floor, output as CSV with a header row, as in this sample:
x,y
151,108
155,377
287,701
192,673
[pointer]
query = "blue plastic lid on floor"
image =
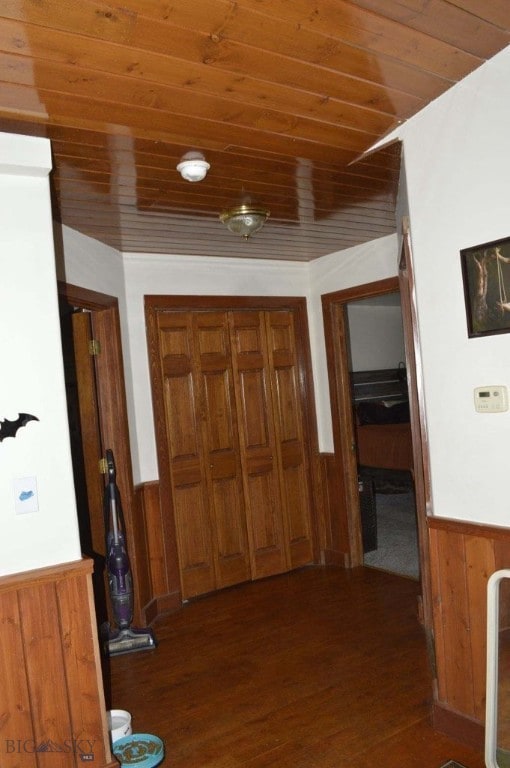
x,y
143,750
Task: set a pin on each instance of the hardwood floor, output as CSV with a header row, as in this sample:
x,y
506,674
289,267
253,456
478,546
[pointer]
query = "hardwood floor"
x,y
320,668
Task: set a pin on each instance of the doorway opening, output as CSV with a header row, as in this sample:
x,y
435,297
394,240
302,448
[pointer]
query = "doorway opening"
x,y
97,410
382,432
337,345
86,443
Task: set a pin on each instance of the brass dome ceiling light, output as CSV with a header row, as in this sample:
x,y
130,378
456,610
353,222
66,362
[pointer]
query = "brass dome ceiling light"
x,y
244,219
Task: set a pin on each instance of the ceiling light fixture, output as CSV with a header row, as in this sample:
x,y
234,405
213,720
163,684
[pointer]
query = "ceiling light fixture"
x,y
193,167
244,220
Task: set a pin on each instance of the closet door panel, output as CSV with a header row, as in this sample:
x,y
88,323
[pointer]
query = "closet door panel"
x,y
257,444
232,562
180,417
222,465
299,530
268,546
189,489
290,436
193,540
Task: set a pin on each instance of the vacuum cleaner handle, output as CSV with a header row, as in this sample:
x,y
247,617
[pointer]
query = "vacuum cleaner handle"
x,y
110,463
112,493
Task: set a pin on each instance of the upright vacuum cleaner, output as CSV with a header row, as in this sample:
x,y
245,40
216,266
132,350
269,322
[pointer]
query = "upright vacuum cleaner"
x,y
124,639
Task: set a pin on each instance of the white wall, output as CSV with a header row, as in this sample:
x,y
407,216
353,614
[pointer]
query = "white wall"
x,y
376,335
32,379
91,265
457,158
362,264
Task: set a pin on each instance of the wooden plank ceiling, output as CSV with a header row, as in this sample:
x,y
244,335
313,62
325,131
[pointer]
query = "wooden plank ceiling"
x,y
282,98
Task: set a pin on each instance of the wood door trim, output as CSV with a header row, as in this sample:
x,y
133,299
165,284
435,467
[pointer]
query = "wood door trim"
x,y
334,308
85,298
190,303
113,412
90,432
336,340
417,418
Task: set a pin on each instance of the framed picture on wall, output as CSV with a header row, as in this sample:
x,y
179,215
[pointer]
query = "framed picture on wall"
x,y
486,276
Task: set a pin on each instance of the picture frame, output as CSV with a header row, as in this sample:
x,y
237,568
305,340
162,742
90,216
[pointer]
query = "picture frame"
x,y
486,278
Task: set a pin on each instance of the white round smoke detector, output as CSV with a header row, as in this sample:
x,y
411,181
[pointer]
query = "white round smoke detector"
x,y
194,169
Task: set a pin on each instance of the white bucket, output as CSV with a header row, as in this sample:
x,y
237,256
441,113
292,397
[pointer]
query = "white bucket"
x,y
119,724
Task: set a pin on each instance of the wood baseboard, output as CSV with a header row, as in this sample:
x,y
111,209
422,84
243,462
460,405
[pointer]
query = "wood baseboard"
x,y
332,557
161,606
457,726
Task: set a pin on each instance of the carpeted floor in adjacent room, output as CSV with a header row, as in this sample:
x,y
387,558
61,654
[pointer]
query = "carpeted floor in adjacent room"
x,y
397,542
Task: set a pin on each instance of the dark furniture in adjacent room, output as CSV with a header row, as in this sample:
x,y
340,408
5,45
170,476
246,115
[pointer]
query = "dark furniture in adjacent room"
x,y
383,429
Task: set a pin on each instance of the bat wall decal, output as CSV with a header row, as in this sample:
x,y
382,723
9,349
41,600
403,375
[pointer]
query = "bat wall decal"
x,y
10,428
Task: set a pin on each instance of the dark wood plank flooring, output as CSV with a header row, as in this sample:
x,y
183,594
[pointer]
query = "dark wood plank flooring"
x,y
320,668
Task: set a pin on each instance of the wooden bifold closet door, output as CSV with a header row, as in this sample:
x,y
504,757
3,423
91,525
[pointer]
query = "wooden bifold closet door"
x,y
235,450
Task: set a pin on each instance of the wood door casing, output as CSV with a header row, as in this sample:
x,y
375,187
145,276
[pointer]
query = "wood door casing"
x,y
268,543
335,331
112,414
93,450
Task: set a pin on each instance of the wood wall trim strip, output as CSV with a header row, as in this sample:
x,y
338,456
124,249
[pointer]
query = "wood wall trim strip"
x,y
50,573
468,528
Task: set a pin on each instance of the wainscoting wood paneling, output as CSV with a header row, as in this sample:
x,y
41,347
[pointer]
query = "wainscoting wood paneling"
x,y
163,593
142,576
462,557
52,689
334,538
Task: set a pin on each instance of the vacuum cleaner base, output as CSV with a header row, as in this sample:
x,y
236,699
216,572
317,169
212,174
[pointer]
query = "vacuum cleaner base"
x,y
128,641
